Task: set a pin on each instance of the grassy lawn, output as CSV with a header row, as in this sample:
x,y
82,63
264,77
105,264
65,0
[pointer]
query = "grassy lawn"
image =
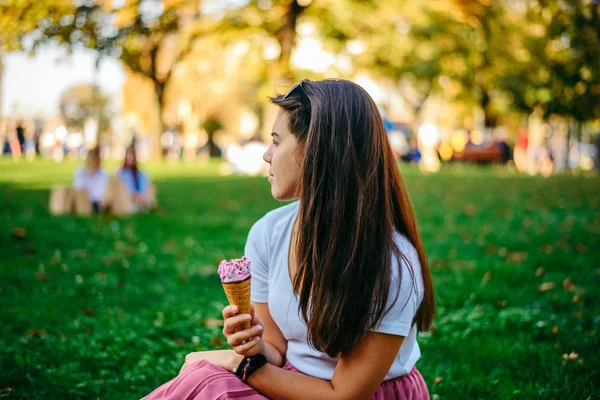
x,y
108,308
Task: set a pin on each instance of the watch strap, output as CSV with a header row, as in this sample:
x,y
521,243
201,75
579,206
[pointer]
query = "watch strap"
x,y
249,365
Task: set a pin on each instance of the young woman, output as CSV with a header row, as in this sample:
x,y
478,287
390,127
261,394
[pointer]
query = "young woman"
x,y
91,180
137,184
340,282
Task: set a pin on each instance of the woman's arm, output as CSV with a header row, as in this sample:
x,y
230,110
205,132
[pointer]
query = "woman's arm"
x,y
357,375
275,345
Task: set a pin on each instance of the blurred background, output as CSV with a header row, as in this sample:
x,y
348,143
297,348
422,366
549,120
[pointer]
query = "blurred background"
x,y
456,81
154,115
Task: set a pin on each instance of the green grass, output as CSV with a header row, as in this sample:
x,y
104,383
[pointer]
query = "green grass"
x,y
107,308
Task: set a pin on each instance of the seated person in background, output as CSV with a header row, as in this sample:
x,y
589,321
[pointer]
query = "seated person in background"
x,y
90,182
137,184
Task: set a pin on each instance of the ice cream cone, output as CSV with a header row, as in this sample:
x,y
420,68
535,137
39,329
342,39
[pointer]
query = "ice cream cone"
x,y
238,294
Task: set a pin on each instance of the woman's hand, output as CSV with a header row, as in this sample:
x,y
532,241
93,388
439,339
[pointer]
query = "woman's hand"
x,y
247,342
223,358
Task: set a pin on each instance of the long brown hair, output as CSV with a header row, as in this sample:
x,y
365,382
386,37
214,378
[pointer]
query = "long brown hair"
x,y
352,200
134,167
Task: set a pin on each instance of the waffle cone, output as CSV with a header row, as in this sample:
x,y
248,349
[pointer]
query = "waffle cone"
x,y
238,294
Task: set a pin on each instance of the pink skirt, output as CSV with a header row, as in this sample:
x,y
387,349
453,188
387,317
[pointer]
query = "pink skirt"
x,y
205,381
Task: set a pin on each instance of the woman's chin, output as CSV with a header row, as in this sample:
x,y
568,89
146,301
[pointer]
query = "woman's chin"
x,y
276,195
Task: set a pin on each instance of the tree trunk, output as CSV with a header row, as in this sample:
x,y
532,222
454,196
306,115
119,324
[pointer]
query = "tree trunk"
x,y
159,89
1,90
490,121
568,146
417,121
287,39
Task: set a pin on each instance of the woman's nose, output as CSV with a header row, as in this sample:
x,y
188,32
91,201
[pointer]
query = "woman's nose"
x,y
267,156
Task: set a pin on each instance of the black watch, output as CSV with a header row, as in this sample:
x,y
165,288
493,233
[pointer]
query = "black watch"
x,y
249,365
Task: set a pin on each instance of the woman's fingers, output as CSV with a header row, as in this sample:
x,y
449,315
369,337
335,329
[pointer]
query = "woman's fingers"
x,y
244,336
233,324
229,311
246,347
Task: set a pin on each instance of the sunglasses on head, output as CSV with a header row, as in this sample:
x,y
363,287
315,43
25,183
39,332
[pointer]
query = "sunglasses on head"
x,y
300,89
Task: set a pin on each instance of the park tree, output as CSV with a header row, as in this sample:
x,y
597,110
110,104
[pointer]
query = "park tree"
x,y
563,63
22,21
490,35
275,19
419,48
149,37
80,103
542,55
276,23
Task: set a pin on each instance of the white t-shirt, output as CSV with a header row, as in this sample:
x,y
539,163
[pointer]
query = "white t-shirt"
x,y
267,248
95,183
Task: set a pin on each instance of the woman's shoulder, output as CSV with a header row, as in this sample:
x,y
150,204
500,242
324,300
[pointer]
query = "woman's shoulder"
x,y
405,246
275,220
409,256
282,213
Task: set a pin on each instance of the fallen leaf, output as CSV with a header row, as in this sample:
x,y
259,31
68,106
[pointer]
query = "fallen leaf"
x,y
555,329
544,287
568,285
5,390
212,322
539,272
18,233
502,251
89,311
41,276
500,303
437,380
517,257
36,332
577,314
545,249
582,248
179,341
217,341
486,278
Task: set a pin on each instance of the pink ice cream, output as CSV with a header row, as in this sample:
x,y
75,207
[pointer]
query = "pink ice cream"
x,y
235,270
